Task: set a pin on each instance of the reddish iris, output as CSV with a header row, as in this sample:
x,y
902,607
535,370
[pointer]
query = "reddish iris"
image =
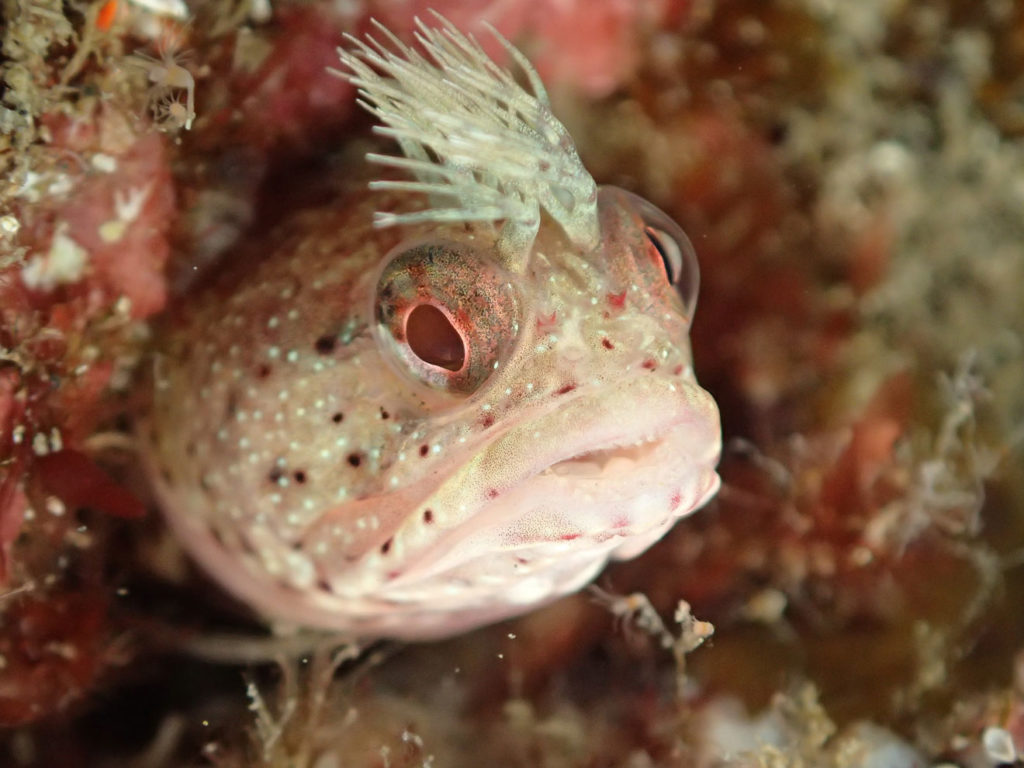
x,y
433,339
659,256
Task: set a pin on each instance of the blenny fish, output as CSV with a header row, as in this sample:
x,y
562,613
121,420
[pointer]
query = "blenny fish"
x,y
451,399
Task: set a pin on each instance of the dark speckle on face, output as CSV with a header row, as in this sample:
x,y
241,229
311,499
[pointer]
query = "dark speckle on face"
x,y
325,344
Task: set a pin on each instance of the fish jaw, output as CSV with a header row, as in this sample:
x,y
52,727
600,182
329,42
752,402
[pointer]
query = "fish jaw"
x,y
579,484
534,514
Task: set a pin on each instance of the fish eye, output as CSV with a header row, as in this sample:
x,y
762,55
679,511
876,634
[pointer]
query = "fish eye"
x,y
673,251
668,248
446,315
670,252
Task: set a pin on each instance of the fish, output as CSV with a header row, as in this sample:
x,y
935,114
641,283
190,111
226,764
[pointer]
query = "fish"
x,y
447,400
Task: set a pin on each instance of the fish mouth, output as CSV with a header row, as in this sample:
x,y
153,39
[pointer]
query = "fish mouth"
x,y
602,476
608,440
604,462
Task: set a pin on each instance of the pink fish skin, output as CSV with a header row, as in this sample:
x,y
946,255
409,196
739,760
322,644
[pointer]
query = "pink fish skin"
x,y
409,432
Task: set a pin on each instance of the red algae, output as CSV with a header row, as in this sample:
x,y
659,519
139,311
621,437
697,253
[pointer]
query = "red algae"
x,y
88,204
113,214
52,649
287,95
587,48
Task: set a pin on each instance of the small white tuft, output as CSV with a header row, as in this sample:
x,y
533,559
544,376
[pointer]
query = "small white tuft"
x,y
477,143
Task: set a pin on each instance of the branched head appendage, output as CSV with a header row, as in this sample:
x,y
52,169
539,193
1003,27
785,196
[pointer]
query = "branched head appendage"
x,y
480,146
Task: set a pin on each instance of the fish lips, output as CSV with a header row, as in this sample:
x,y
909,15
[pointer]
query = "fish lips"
x,y
543,506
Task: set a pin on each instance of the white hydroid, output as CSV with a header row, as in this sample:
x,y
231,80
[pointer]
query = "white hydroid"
x,y
477,143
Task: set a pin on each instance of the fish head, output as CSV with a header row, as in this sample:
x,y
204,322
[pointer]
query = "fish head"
x,y
560,422
417,428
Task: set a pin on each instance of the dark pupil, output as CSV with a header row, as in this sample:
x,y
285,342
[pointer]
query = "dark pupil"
x,y
433,338
666,262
